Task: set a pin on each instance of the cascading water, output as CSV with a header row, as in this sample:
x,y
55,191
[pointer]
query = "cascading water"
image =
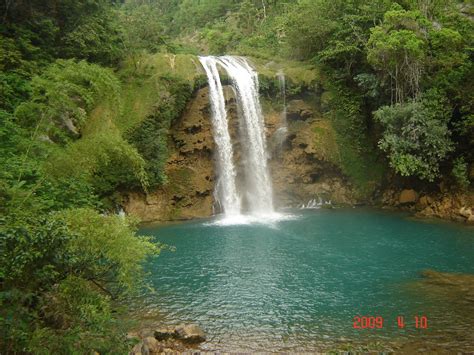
x,y
225,191
259,190
281,132
258,186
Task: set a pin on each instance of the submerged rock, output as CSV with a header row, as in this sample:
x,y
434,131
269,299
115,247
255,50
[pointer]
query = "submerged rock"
x,y
190,333
164,333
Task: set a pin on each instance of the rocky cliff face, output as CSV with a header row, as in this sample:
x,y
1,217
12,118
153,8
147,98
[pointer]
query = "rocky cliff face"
x,y
190,171
300,163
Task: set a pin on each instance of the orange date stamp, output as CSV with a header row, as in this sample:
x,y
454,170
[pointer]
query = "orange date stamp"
x,y
377,322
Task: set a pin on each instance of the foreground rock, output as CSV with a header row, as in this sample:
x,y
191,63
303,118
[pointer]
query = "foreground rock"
x,y
164,333
180,339
190,333
149,345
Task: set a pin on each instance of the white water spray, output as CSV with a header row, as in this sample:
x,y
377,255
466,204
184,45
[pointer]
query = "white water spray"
x,y
282,131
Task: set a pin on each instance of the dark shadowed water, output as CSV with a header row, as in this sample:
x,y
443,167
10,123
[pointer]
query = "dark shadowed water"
x,y
298,284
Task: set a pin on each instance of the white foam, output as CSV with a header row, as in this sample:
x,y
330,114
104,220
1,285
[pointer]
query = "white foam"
x,y
267,219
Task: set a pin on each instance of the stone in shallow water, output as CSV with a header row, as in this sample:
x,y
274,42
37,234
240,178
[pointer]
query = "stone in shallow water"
x,y
190,333
164,333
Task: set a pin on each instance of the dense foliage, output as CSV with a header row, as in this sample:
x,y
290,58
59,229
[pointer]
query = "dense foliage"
x,y
151,136
378,55
398,84
62,265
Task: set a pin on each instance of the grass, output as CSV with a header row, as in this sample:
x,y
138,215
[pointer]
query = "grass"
x,y
143,86
326,142
142,89
296,72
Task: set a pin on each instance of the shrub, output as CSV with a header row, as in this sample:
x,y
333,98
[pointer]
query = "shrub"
x,y
460,173
58,275
416,136
63,95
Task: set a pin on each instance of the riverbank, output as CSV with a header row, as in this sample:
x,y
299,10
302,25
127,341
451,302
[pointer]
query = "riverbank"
x,y
451,206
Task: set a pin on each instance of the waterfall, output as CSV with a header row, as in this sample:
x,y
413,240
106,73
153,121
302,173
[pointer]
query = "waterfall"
x,y
225,192
259,190
281,132
258,187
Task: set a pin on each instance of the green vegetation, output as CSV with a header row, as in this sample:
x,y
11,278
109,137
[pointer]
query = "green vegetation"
x,y
416,136
62,265
368,55
90,88
151,135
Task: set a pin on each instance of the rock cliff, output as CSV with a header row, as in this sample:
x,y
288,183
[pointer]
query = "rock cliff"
x,y
300,163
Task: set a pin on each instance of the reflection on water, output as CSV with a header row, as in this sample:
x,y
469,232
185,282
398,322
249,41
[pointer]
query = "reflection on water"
x,y
297,284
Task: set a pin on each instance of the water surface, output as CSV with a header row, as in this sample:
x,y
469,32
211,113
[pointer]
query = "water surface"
x,y
297,284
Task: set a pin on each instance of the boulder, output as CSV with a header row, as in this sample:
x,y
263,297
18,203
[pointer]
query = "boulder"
x,y
425,201
465,212
151,346
408,196
137,349
470,219
298,110
164,334
190,333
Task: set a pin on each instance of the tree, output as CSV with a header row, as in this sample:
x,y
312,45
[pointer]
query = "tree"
x,y
59,273
397,49
416,137
63,96
143,29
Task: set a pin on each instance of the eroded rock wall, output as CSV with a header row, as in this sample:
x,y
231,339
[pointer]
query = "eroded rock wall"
x,y
190,170
301,166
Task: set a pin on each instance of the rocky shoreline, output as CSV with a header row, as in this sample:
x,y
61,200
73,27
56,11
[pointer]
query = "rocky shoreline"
x,y
184,338
452,206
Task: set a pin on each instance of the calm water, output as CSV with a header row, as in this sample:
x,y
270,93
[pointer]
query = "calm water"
x,y
297,284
